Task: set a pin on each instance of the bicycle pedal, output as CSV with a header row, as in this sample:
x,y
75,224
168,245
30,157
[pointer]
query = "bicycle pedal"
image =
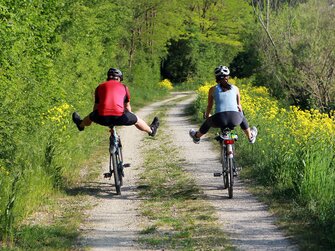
x,y
217,174
107,175
126,165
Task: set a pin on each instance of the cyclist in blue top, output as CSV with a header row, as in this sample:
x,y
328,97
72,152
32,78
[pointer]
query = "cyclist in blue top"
x,y
228,109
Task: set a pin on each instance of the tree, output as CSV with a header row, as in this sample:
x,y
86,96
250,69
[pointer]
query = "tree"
x,y
297,52
213,36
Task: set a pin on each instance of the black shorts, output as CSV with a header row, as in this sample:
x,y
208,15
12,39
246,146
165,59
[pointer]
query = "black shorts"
x,y
223,120
126,119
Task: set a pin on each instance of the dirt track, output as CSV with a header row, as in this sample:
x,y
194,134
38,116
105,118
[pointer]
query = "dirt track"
x,y
247,221
113,224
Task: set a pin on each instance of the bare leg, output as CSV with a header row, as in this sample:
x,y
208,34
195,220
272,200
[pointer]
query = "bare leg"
x,y
86,122
247,133
141,125
198,134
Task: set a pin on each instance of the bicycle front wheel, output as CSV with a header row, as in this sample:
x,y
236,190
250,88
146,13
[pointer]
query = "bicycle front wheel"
x,y
230,176
117,181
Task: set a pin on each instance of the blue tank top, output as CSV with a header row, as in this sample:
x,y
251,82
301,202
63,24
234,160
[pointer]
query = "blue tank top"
x,y
225,101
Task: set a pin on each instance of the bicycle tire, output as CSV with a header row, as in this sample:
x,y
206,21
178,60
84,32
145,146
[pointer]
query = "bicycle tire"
x,y
117,182
120,154
230,176
120,166
224,167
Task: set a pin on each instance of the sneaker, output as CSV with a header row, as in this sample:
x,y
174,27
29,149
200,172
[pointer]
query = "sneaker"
x,y
192,133
154,126
77,120
254,132
235,171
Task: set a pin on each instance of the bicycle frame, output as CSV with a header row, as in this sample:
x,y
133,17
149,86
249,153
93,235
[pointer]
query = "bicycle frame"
x,y
113,141
115,160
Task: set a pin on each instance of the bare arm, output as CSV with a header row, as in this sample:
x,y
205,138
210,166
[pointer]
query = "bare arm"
x,y
210,102
238,97
95,107
96,99
127,106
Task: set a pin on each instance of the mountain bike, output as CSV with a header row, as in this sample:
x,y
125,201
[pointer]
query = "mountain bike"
x,y
227,139
116,164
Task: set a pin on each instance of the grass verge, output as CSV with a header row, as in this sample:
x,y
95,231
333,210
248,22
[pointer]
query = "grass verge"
x,y
177,214
294,219
55,225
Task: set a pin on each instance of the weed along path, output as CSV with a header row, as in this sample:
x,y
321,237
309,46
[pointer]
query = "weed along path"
x,y
246,221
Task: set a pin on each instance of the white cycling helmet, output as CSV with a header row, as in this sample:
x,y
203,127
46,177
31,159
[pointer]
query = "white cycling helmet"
x,y
221,71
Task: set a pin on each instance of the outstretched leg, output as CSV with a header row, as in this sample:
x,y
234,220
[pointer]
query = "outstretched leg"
x,y
251,133
86,121
77,120
143,126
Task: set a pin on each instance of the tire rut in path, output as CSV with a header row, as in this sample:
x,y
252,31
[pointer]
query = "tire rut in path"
x,y
246,221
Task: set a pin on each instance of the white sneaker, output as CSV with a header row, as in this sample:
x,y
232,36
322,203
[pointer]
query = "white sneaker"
x,y
254,133
192,133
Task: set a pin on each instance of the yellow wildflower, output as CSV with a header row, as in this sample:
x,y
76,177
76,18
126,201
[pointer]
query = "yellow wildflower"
x,y
166,84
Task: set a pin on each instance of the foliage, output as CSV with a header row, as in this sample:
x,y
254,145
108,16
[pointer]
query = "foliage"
x,y
297,55
180,63
213,36
52,56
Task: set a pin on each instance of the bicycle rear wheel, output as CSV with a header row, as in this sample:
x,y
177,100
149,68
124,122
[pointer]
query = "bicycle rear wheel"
x,y
224,167
120,166
120,161
230,176
115,161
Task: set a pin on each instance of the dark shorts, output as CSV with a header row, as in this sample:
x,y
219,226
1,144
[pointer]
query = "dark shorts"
x,y
126,119
224,120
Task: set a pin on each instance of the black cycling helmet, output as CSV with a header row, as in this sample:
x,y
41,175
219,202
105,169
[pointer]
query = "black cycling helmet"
x,y
221,71
113,72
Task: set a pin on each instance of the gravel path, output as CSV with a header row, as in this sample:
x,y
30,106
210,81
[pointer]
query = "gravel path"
x,y
248,223
114,223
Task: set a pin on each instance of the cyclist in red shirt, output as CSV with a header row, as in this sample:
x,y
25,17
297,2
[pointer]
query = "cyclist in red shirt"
x,y
112,106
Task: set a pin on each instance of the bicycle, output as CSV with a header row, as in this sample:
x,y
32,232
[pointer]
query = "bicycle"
x,y
227,139
116,164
